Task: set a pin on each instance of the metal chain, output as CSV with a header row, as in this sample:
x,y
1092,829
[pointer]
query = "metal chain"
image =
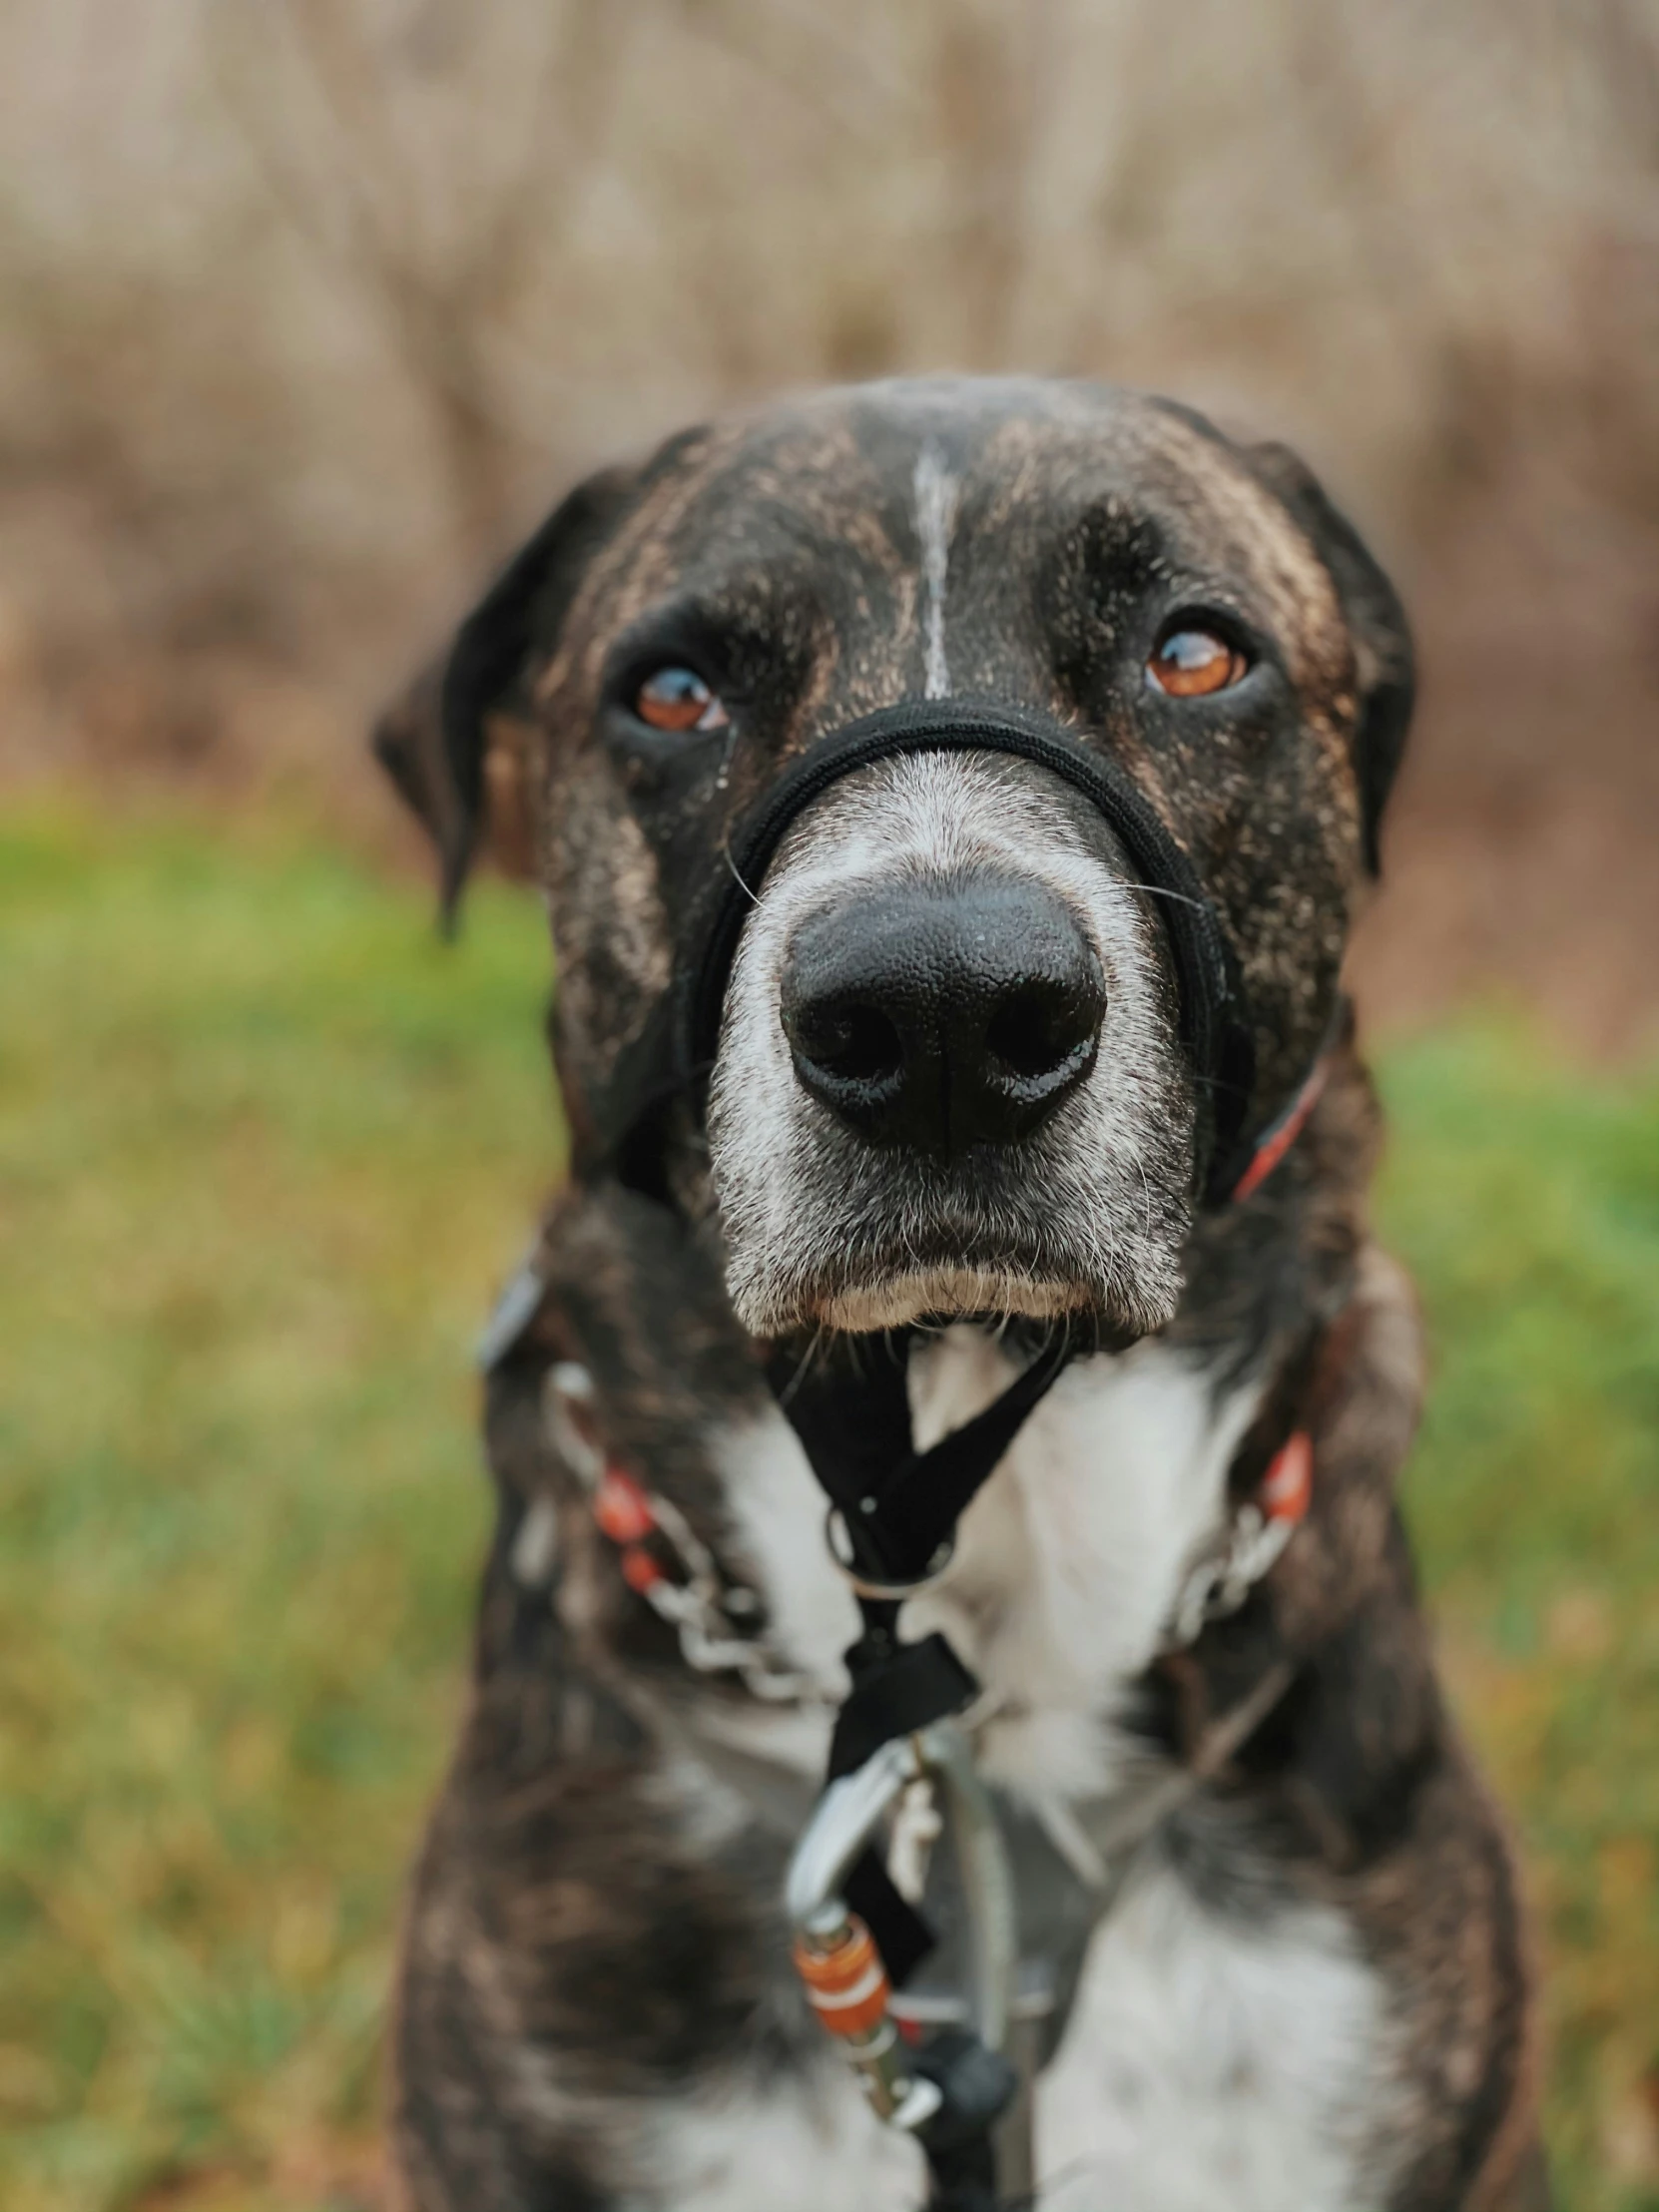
x,y
1218,1586
701,1607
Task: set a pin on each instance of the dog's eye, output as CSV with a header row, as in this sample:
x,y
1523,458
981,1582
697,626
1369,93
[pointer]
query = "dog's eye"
x,y
678,698
1190,661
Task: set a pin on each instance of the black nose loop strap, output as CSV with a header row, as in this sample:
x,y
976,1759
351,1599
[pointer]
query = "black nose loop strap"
x,y
1214,1028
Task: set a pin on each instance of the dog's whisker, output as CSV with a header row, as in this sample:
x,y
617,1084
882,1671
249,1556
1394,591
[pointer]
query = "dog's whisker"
x,y
1162,891
1145,1189
732,868
788,1390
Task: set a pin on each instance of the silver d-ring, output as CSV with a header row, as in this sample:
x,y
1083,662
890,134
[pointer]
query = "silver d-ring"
x,y
841,1551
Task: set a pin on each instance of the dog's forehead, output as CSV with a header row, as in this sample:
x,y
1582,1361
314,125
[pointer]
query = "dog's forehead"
x,y
837,484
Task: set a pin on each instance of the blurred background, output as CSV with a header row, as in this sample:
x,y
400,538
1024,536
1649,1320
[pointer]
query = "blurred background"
x,y
308,307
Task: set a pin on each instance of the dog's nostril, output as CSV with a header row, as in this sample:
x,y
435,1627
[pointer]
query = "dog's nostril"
x,y
846,1039
1041,1028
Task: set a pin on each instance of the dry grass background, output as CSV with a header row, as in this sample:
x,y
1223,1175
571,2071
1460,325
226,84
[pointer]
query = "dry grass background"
x,y
311,304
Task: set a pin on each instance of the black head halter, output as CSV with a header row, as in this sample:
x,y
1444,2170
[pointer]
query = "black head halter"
x,y
1215,1030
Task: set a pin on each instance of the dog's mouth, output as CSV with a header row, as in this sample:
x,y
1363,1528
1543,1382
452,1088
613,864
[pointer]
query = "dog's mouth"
x,y
948,1291
827,1235
862,1243
948,1083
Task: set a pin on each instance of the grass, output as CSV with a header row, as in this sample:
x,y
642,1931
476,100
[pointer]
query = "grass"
x,y
265,1147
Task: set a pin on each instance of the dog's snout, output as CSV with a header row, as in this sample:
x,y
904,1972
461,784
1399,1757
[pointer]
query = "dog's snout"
x,y
943,1018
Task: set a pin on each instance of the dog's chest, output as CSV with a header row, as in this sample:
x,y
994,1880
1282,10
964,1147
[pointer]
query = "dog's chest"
x,y
1208,2062
1067,1563
1216,2058
1211,2056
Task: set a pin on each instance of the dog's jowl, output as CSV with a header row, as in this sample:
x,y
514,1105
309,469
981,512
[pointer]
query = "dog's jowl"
x,y
952,800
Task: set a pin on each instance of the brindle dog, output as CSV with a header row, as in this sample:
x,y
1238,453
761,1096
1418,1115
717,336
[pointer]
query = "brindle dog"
x,y
951,1086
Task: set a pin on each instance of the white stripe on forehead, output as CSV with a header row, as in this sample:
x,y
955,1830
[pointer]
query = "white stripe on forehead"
x,y
936,500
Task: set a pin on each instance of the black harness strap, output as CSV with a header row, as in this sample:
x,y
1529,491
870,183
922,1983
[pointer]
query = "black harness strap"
x,y
898,1508
899,1505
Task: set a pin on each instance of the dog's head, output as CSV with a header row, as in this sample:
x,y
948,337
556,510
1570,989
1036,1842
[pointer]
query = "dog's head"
x,y
953,1066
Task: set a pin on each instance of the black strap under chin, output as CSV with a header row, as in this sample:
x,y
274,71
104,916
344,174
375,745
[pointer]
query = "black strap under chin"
x,y
898,1508
852,1412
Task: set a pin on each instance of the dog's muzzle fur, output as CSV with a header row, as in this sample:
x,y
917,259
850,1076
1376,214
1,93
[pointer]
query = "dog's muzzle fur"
x,y
948,1078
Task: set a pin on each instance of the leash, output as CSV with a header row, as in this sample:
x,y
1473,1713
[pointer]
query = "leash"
x,y
890,1531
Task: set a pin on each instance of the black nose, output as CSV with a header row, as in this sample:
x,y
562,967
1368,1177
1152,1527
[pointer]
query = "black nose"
x,y
943,1018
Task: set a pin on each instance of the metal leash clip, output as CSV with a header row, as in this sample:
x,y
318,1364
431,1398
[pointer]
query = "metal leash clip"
x,y
847,1984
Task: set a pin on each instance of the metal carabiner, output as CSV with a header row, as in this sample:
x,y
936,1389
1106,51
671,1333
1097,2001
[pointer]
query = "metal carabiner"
x,y
832,1951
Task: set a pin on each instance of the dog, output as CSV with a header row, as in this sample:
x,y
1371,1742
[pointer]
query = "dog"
x,y
883,744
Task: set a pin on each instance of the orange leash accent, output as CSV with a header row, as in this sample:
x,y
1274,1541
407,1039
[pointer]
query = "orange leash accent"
x,y
847,1984
640,1571
1287,1487
621,1507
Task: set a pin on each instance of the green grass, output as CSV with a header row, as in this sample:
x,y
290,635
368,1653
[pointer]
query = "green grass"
x,y
1526,1200
265,1149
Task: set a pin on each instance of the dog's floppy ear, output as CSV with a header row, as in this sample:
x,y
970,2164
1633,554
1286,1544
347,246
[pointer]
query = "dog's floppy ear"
x,y
433,739
1377,622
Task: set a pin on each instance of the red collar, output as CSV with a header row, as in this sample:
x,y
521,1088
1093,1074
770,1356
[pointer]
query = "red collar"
x,y
1277,1140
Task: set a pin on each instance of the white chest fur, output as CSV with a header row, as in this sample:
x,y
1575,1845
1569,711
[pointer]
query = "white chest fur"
x,y
1208,2064
1208,2060
1214,2060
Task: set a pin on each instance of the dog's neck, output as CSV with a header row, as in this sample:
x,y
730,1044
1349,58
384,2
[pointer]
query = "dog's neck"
x,y
1070,1559
1067,1563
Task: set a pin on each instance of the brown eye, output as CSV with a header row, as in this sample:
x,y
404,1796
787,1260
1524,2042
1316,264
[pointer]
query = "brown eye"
x,y
1188,662
678,698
